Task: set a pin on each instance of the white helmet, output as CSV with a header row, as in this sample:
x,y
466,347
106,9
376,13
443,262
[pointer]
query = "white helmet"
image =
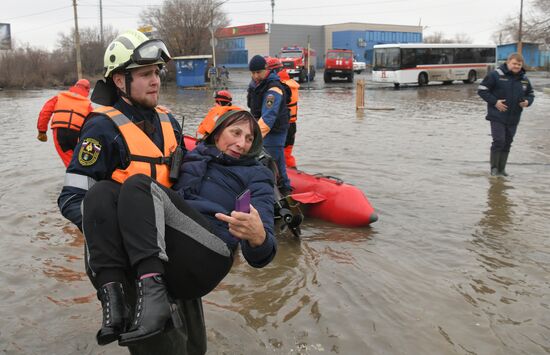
x,y
133,49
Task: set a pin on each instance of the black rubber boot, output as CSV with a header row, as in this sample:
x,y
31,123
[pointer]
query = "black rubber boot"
x,y
502,163
153,313
495,158
115,312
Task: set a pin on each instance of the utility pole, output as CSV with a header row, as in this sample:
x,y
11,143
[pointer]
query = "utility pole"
x,y
307,60
212,38
520,44
101,22
77,43
272,11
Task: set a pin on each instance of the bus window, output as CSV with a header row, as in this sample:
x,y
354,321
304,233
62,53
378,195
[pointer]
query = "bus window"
x,y
486,55
387,58
447,53
423,56
408,58
464,55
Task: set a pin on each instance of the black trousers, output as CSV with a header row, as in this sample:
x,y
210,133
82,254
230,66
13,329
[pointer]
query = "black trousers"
x,y
126,224
503,136
67,138
291,134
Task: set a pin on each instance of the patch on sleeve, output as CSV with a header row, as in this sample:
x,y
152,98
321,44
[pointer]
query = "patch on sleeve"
x,y
89,152
269,100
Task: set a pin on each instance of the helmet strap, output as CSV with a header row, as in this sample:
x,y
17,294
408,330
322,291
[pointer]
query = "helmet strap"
x,y
128,84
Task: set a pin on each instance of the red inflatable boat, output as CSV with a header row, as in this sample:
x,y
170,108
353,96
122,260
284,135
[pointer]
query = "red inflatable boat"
x,y
331,199
326,197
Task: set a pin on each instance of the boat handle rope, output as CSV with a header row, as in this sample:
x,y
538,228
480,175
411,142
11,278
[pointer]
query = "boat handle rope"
x,y
337,180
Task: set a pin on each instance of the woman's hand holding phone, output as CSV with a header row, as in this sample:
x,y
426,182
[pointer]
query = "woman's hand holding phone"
x,y
245,222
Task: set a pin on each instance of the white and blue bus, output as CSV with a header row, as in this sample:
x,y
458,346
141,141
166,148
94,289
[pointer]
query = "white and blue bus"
x,y
420,63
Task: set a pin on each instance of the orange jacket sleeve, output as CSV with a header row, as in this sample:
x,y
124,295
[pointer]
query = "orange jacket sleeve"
x,y
46,114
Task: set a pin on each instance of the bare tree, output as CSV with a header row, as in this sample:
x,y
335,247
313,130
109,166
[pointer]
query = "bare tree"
x,y
462,38
439,37
185,24
91,48
536,25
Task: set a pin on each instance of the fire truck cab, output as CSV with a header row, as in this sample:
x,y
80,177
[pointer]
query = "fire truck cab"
x,y
296,60
338,63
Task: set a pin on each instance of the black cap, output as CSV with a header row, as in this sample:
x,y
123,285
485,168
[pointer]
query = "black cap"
x,y
257,63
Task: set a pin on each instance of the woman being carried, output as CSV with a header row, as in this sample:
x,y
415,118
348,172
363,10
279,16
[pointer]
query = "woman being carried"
x,y
179,242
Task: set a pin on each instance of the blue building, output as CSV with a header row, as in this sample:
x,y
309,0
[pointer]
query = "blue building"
x,y
236,45
362,42
530,52
545,59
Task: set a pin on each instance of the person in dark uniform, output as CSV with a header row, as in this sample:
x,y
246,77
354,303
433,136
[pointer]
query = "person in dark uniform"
x,y
507,91
268,99
126,136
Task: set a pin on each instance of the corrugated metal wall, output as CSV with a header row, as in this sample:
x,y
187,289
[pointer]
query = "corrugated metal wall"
x,y
371,31
361,42
257,44
545,59
290,35
359,37
232,52
530,53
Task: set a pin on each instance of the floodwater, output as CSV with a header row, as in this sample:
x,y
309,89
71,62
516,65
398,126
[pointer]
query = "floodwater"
x,y
458,263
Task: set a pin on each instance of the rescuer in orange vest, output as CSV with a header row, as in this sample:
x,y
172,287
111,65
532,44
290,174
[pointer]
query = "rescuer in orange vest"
x,y
129,136
68,109
275,64
223,101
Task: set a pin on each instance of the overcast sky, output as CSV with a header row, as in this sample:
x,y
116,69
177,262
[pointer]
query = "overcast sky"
x,y
39,22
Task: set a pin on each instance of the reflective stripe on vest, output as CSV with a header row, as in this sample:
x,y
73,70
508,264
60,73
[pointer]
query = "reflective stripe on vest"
x,y
293,105
70,111
145,157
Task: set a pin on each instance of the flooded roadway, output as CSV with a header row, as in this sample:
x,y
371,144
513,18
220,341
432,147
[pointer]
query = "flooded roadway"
x,y
458,263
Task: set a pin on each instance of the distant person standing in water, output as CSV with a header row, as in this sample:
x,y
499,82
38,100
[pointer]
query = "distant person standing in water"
x,y
507,92
224,76
213,76
68,109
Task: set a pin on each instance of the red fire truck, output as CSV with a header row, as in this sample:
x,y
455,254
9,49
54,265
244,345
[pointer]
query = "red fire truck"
x,y
339,63
296,60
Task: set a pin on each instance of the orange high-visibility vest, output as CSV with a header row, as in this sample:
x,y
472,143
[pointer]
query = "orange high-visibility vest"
x,y
145,157
212,116
70,111
293,104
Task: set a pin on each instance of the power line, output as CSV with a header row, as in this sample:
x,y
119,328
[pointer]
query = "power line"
x,y
57,22
37,13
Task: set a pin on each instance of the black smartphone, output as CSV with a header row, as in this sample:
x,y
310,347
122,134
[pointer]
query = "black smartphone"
x,y
242,202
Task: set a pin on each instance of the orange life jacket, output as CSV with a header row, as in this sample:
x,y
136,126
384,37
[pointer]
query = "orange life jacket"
x,y
145,157
293,104
208,123
70,111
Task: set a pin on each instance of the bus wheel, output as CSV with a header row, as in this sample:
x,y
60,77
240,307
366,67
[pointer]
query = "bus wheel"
x,y
396,85
422,79
472,76
447,82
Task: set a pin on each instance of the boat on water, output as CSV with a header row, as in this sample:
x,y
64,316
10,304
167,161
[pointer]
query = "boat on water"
x,y
326,197
330,199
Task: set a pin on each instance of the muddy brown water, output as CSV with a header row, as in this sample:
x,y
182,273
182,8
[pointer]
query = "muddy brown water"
x,y
459,262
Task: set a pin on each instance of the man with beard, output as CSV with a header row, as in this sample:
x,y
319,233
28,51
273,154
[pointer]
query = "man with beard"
x,y
126,136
